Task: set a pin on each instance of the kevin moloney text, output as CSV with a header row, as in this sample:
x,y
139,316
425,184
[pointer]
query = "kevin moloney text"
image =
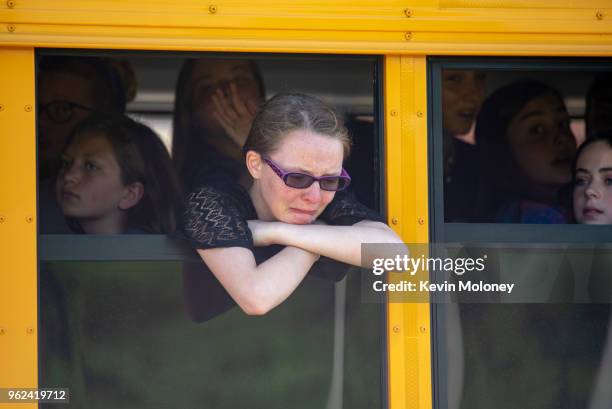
x,y
445,287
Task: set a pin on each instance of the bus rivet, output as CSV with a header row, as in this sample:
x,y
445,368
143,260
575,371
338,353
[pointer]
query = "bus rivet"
x,y
2,219
599,15
408,36
396,329
421,221
408,12
420,114
422,329
212,9
393,112
10,4
28,219
30,330
10,28
394,220
2,331
1,107
28,108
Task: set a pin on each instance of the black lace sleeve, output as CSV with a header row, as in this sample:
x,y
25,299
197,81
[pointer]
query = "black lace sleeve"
x,y
217,217
345,210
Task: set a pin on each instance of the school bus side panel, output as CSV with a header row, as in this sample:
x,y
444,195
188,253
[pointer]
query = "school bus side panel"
x,y
18,285
434,27
408,329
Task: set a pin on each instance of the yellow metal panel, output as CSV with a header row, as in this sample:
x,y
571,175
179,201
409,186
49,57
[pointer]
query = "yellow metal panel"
x,y
407,198
320,42
393,156
18,278
330,19
512,20
484,27
507,3
529,4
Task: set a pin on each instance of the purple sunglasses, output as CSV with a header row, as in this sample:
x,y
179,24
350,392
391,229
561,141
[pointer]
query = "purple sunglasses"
x,y
303,180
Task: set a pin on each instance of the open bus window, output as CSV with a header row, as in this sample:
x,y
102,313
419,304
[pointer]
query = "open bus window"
x,y
128,315
510,139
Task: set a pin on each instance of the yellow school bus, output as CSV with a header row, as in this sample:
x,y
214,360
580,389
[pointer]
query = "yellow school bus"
x,y
382,63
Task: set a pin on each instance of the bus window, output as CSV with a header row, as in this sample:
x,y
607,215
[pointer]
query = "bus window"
x,y
133,319
504,137
509,139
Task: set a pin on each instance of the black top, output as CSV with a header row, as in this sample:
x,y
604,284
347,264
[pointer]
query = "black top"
x,y
460,183
216,215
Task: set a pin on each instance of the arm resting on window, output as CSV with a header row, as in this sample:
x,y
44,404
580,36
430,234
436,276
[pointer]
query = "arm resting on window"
x,y
258,288
342,243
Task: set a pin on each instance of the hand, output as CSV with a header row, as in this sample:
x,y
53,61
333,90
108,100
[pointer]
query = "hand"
x,y
234,114
263,232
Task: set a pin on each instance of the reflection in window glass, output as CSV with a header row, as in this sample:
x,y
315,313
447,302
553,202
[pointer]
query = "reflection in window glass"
x,y
121,335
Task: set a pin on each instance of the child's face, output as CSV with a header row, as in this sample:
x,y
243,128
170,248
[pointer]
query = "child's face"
x,y
542,142
593,185
89,186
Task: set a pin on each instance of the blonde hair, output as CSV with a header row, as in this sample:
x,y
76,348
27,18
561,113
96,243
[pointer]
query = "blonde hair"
x,y
285,113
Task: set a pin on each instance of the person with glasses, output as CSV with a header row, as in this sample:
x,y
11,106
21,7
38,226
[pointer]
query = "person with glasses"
x,y
298,200
70,89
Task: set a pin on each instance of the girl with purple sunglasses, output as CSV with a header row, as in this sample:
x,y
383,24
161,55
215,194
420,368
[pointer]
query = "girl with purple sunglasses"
x,y
294,154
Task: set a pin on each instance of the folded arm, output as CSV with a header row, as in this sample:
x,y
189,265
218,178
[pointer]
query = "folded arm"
x,y
258,288
342,243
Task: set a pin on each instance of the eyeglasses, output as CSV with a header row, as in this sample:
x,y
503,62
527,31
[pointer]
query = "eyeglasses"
x,y
61,111
303,180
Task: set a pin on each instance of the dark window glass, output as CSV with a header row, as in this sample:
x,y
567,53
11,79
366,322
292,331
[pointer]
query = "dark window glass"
x,y
504,138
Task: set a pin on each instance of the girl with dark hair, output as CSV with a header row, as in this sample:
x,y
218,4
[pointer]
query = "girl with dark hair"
x,y
116,177
526,149
215,104
294,153
69,90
